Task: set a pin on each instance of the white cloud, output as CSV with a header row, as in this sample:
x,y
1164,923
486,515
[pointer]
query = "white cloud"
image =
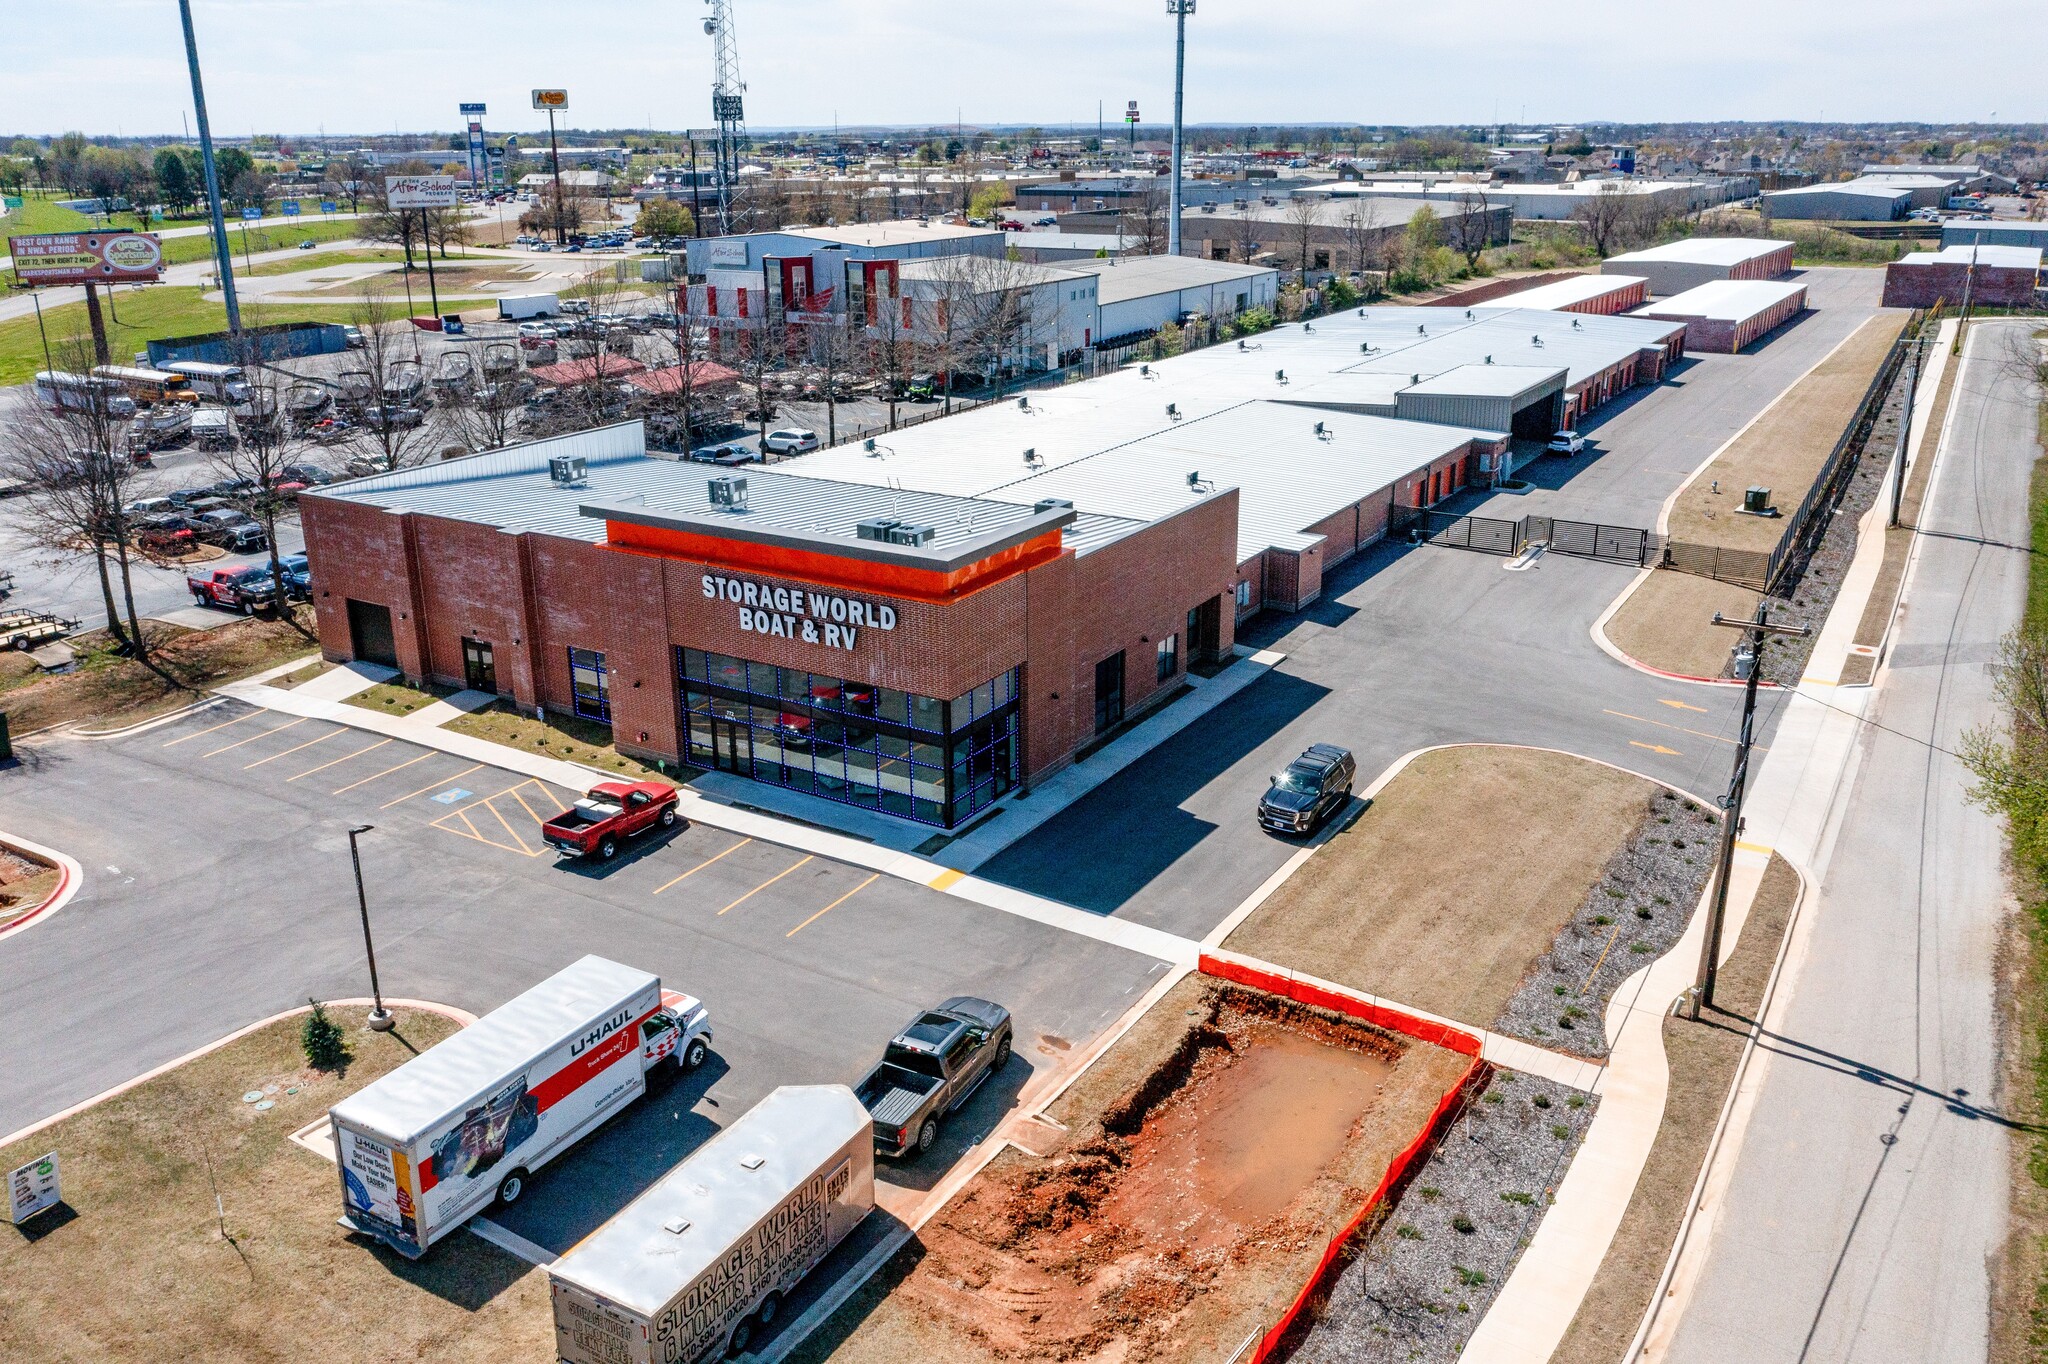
x,y
372,65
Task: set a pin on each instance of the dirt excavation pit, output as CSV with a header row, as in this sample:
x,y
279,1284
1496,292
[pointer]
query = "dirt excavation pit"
x,y
1181,1210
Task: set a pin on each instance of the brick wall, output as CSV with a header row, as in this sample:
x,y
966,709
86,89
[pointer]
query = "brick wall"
x,y
1922,286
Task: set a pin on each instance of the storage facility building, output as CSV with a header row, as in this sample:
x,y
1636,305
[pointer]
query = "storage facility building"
x,y
1958,232
1601,295
1725,315
1862,200
2002,275
1137,295
1677,266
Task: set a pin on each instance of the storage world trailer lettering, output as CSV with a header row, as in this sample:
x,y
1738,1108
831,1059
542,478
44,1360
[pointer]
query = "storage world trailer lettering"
x,y
468,1122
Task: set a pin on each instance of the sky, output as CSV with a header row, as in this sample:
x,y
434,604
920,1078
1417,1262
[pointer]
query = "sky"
x,y
297,66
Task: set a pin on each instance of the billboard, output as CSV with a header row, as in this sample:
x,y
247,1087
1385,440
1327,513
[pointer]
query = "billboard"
x,y
87,258
472,110
551,99
419,191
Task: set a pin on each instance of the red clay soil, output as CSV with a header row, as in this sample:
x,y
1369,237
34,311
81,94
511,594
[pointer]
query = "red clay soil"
x,y
1227,1167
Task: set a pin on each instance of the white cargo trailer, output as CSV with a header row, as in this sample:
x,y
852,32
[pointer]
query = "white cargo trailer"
x,y
466,1123
525,307
702,1259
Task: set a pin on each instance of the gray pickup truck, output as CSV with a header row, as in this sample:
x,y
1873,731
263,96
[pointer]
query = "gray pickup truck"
x,y
930,1069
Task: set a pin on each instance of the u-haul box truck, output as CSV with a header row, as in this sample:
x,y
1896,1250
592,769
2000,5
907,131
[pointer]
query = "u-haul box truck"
x,y
467,1122
699,1262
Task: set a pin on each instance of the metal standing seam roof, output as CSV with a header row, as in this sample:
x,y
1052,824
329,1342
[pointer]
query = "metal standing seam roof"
x,y
1874,189
1563,293
410,1101
1703,251
1128,277
900,233
1725,300
662,1241
512,490
1992,254
1489,381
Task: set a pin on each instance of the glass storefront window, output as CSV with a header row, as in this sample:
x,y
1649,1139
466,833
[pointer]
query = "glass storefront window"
x,y
851,741
590,688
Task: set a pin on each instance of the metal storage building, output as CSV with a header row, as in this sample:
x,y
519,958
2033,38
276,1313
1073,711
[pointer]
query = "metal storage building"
x,y
1959,233
1599,295
1863,200
1137,295
2005,275
1727,314
1677,266
1525,400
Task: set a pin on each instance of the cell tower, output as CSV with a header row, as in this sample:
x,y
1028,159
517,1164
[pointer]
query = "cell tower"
x,y
728,108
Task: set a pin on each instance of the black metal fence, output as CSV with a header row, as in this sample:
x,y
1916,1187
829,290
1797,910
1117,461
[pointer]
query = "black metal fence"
x,y
1492,535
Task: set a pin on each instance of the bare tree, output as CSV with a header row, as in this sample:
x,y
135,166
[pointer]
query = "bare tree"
x,y
1607,217
1471,231
893,352
266,445
74,469
1143,222
827,341
1303,215
389,430
1245,235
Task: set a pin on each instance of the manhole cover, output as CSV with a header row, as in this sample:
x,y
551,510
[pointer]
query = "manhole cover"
x,y
252,1096
266,1105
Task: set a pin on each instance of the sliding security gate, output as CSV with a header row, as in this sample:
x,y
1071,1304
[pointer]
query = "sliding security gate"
x,y
1490,535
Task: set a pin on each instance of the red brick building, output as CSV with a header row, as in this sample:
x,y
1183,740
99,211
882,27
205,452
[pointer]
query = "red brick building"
x,y
2005,276
918,654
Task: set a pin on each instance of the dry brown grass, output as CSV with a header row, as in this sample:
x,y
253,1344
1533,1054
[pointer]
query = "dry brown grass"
x,y
882,1324
1784,449
1667,622
565,737
1459,876
1702,1058
319,667
141,1272
107,690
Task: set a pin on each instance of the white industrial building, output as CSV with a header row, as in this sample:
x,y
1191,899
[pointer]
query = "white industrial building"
x,y
1141,294
1865,199
1692,261
1550,202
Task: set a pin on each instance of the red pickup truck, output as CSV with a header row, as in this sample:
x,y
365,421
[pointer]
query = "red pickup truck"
x,y
232,589
613,812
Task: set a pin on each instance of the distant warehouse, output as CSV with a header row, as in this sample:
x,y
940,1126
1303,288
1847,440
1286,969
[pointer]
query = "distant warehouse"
x,y
1137,295
1677,266
1862,200
1725,315
2003,275
1601,295
1964,233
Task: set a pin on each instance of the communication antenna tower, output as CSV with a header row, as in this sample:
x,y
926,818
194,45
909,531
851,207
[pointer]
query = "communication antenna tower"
x,y
728,108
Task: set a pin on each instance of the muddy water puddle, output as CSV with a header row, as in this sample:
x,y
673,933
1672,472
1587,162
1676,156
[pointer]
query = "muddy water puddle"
x,y
1242,1144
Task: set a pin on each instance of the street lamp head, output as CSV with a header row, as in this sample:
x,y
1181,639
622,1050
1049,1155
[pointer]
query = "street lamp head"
x,y
361,829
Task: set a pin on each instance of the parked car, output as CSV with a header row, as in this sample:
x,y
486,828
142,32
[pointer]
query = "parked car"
x,y
1315,786
930,1069
246,590
298,578
790,440
611,813
726,455
356,340
308,244
1567,443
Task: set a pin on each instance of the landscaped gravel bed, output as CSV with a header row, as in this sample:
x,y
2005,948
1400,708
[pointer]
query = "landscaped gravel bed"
x,y
1629,919
1434,1265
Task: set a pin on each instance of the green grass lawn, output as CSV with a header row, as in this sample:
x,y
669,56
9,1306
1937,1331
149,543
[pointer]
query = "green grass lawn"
x,y
158,311
181,250
313,262
40,215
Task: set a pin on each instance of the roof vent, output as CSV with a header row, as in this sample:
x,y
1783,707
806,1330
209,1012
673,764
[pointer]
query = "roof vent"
x,y
1046,504
1415,378
1575,324
1535,340
1242,346
1024,404
676,1226
1322,432
1468,315
1308,326
1031,459
1144,371
1173,411
1361,312
1421,330
1279,376
728,490
565,470
1489,359
752,1162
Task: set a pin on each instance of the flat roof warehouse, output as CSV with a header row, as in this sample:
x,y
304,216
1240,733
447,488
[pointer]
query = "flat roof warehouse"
x,y
916,629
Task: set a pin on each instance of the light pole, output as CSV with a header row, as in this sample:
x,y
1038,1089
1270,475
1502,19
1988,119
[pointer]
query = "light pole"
x,y
380,1017
223,254
555,164
1180,10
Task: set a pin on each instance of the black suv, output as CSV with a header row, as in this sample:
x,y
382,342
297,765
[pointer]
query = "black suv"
x,y
1315,786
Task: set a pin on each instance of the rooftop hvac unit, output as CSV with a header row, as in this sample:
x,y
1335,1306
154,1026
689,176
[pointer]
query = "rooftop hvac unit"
x,y
565,469
728,490
1757,501
888,532
1046,504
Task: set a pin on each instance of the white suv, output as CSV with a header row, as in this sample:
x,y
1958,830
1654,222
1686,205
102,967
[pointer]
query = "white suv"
x,y
1567,443
792,441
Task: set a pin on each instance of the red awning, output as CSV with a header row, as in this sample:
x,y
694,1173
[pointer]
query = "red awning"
x,y
705,374
583,371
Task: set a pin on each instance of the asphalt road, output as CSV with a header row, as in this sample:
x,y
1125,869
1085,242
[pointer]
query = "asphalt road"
x,y
217,891
1868,1201
1417,646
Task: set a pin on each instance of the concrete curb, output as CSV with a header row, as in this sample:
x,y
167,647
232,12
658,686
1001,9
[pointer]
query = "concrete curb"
x,y
462,1016
67,884
139,726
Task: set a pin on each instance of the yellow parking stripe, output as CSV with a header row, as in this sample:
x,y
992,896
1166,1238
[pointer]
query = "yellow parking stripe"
x,y
254,737
765,884
289,751
210,728
428,787
701,865
514,793
946,879
507,823
337,761
834,905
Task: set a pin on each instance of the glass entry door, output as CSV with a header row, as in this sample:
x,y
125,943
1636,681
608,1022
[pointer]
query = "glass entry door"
x,y
479,671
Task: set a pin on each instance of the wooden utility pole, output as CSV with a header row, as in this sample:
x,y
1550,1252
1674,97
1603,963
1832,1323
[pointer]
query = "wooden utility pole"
x,y
1757,627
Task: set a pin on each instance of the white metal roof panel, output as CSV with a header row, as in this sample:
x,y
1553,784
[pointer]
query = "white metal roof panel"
x,y
412,1100
1128,277
636,1261
1725,300
1488,381
1997,256
1708,250
1563,293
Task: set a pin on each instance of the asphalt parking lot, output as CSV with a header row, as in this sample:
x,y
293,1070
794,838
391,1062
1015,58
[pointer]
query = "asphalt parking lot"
x,y
218,891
